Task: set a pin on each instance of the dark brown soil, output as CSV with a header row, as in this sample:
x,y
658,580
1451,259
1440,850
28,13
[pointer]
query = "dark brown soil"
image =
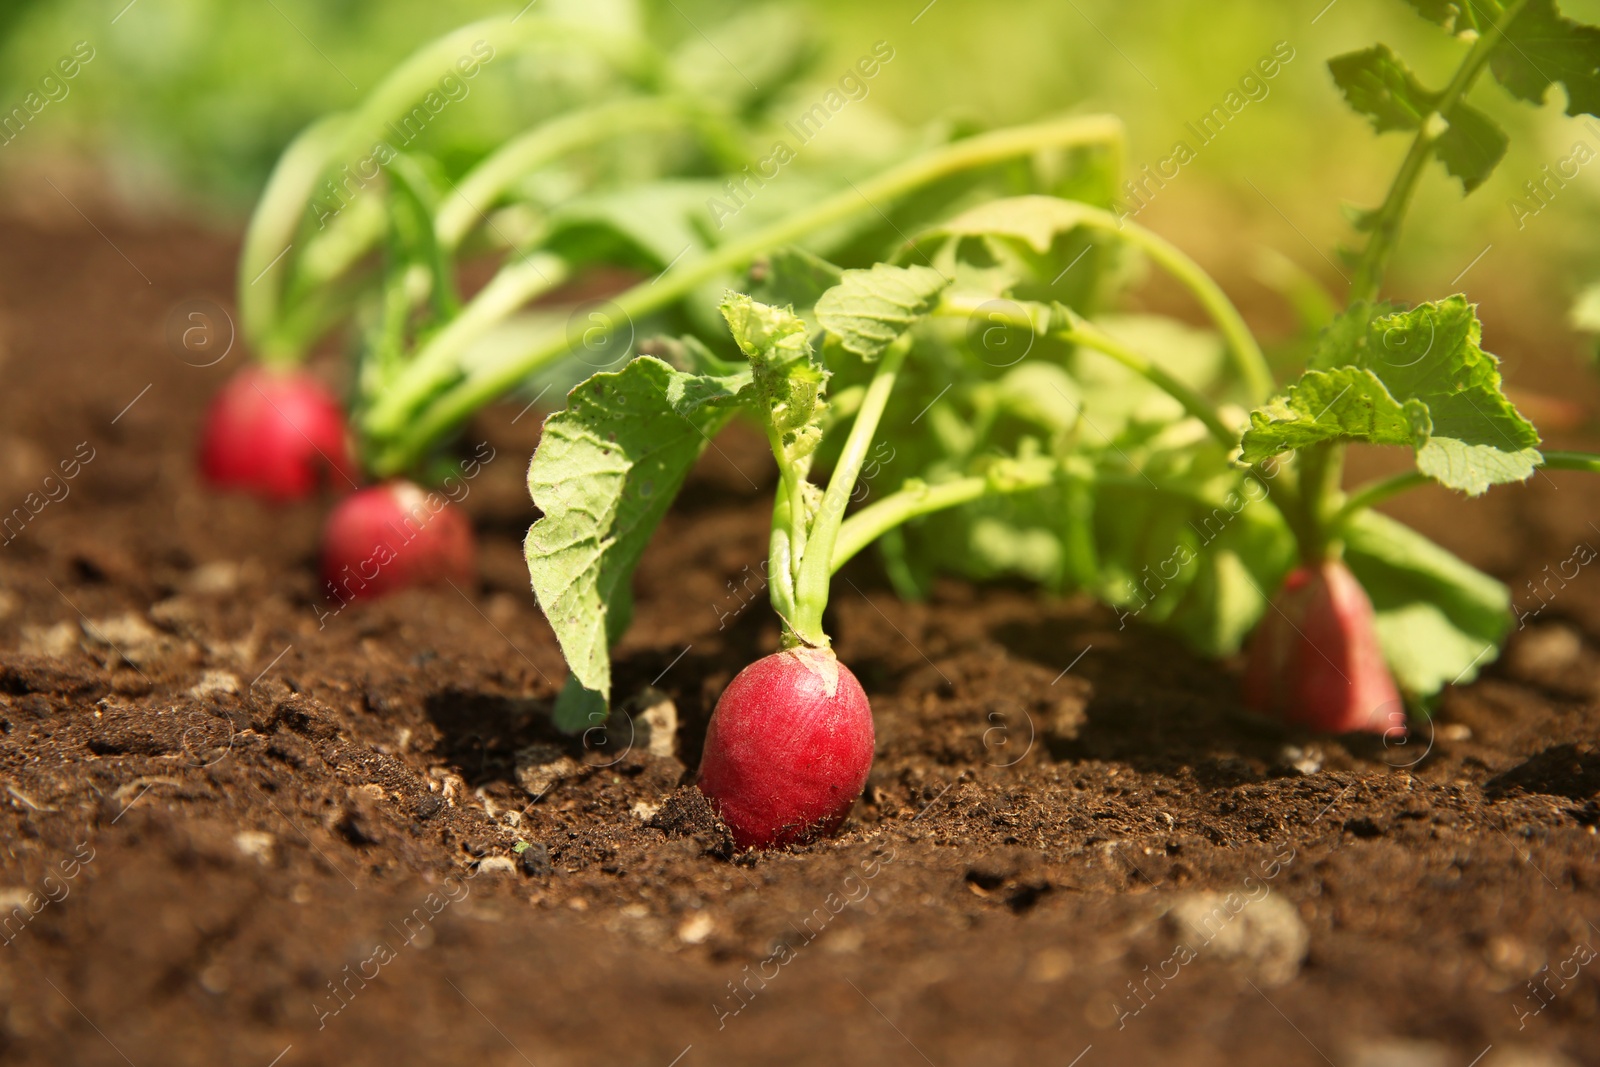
x,y
253,839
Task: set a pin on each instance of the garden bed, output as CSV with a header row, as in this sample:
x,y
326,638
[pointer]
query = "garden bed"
x,y
306,828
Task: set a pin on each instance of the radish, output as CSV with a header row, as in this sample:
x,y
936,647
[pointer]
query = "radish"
x,y
276,434
394,536
1315,659
788,748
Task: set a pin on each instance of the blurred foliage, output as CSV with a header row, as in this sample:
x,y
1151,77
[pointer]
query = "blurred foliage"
x,y
190,101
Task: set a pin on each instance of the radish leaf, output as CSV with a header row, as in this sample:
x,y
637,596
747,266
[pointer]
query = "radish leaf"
x,y
793,277
788,377
1027,246
1542,47
1377,84
1425,363
1349,404
1034,220
869,309
606,469
1471,147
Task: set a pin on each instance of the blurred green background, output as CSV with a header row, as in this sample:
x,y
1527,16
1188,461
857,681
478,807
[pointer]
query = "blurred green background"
x,y
187,103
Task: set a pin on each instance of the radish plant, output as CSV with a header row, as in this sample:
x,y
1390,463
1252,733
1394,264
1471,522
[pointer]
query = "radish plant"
x,y
1036,433
616,189
1413,377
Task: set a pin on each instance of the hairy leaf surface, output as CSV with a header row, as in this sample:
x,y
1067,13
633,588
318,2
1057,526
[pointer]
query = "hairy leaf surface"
x,y
606,470
869,309
1421,370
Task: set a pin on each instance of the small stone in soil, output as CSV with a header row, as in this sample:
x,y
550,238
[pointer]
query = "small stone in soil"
x,y
541,765
1266,935
214,682
535,861
1306,760
657,722
695,929
428,806
256,844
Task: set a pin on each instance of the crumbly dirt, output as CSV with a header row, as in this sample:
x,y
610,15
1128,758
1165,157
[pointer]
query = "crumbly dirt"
x,y
239,830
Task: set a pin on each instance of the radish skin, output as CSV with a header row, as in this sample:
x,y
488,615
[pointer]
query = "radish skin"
x,y
394,536
788,749
1315,659
274,434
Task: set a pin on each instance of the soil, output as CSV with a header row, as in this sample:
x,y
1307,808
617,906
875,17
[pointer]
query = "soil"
x,y
241,830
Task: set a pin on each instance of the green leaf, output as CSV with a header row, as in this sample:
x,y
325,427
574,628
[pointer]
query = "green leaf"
x,y
648,225
1471,146
1377,84
1115,398
1034,220
1344,342
1439,619
788,377
869,309
1234,571
690,355
1040,393
578,709
774,44
1035,247
1432,354
1426,364
606,470
1347,404
794,278
1541,47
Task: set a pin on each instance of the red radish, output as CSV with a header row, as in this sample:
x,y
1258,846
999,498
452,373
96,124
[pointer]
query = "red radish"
x,y
788,748
393,536
1315,659
275,434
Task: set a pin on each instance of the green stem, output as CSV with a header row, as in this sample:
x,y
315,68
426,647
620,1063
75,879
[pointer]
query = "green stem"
x,y
1571,461
1376,492
1386,223
811,588
913,501
1092,337
1321,466
1247,354
271,234
447,411
780,557
350,137
788,544
483,186
1040,320
439,360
